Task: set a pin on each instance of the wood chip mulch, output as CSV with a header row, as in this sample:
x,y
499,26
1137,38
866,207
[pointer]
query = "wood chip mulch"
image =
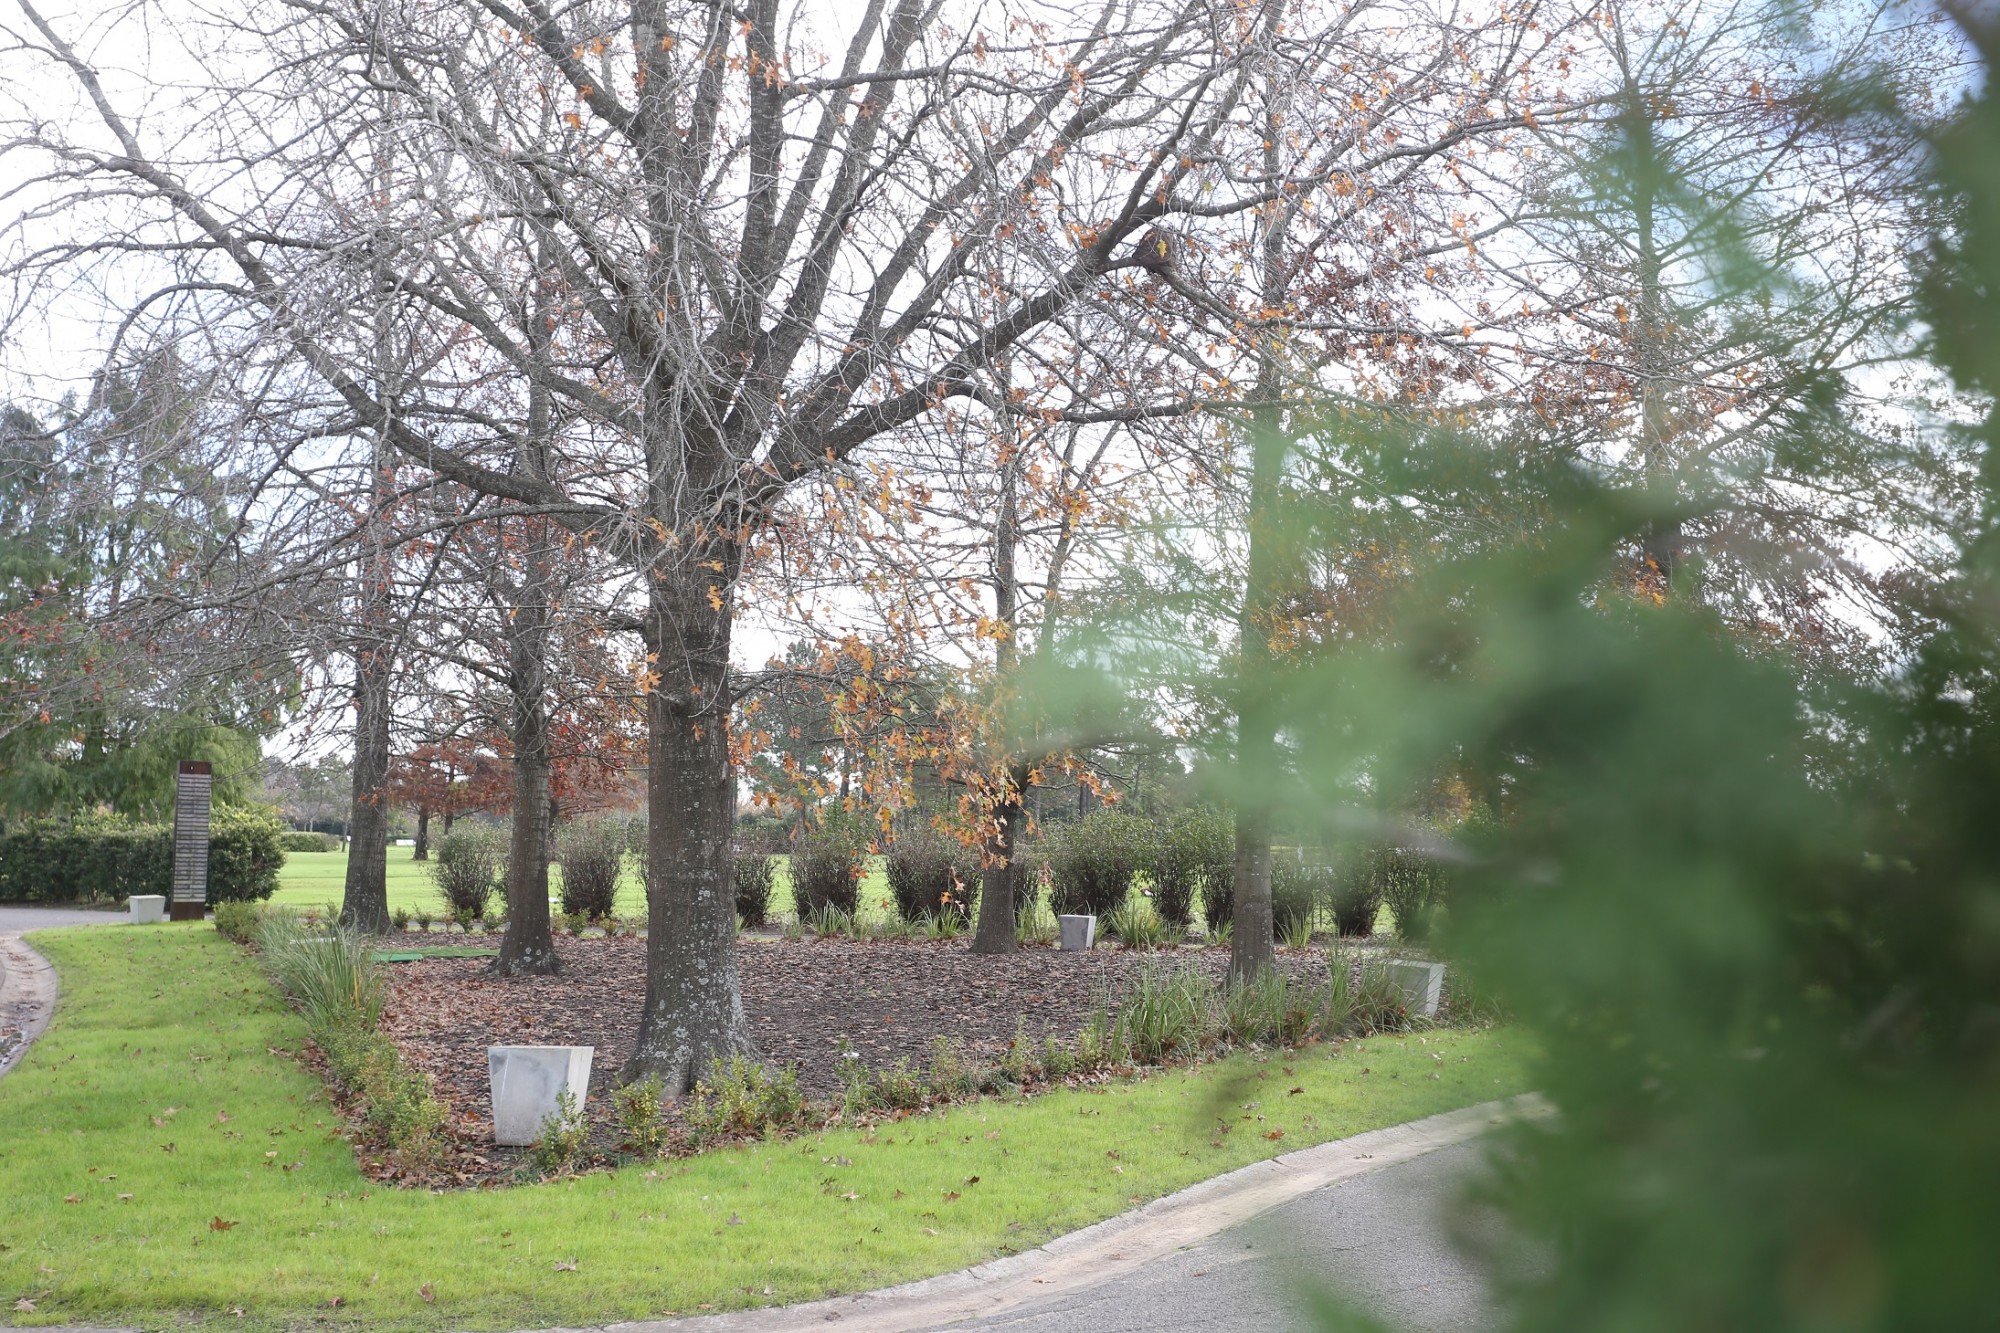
x,y
889,999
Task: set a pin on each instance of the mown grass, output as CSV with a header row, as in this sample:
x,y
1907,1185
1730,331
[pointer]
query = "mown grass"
x,y
162,1101
313,879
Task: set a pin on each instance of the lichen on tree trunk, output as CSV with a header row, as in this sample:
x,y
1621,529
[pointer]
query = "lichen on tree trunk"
x,y
693,1011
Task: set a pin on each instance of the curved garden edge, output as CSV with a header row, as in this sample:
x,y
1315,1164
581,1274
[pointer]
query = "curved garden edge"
x,y
27,998
1102,1250
204,1183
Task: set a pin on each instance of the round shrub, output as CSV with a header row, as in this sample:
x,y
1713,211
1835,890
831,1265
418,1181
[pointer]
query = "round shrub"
x,y
1296,891
826,868
931,873
753,877
1093,861
292,840
1413,886
467,864
592,852
1353,896
244,854
1195,842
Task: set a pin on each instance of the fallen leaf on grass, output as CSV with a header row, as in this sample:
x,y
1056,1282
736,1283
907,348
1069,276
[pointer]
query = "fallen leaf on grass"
x,y
1295,1091
851,1196
335,1302
72,1198
24,1306
429,1294
124,1197
951,1196
565,1266
219,1225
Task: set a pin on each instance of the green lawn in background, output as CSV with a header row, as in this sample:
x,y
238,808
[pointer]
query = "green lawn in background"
x,y
313,879
165,1161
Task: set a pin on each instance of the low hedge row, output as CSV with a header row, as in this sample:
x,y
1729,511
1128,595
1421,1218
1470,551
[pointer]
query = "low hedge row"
x,y
51,861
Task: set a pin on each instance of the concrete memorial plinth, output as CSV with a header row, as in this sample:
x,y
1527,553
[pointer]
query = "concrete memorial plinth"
x,y
147,909
1422,984
1078,932
525,1082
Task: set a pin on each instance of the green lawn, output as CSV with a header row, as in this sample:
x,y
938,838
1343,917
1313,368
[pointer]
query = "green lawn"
x,y
165,1161
313,879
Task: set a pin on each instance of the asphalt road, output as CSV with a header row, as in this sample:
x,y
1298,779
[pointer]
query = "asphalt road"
x,y
1378,1240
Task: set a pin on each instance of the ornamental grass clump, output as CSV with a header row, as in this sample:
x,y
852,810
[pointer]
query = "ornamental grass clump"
x,y
331,976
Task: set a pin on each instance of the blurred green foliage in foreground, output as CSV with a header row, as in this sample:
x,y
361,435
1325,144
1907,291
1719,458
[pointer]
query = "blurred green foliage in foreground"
x,y
1752,912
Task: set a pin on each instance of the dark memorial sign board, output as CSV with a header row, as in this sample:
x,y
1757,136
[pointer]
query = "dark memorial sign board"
x,y
192,787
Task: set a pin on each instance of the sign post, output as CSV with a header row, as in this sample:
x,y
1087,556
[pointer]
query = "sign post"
x,y
192,787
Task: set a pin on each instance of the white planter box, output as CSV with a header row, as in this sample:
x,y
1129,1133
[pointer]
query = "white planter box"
x,y
147,909
1078,932
1422,984
525,1081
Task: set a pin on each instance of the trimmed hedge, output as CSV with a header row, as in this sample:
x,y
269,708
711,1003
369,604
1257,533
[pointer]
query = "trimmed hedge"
x,y
53,861
294,841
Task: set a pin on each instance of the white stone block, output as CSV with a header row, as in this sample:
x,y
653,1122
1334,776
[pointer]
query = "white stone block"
x,y
1422,984
1078,932
525,1081
147,909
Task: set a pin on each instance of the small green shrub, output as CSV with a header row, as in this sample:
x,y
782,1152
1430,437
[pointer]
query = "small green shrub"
x,y
239,921
826,868
741,1099
951,1073
754,877
565,1137
1093,860
400,918
831,922
931,875
467,864
293,840
638,1105
592,852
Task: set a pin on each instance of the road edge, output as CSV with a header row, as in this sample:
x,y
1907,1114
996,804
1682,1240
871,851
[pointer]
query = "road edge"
x,y
1104,1250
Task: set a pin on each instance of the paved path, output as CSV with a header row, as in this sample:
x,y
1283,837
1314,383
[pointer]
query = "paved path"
x,y
1378,1242
1364,1211
27,982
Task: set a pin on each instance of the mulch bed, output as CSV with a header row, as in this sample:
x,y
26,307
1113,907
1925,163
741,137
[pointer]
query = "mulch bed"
x,y
889,1000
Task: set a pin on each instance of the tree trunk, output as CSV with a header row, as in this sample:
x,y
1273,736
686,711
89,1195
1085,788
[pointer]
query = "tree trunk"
x,y
996,932
694,1003
423,849
528,948
365,904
